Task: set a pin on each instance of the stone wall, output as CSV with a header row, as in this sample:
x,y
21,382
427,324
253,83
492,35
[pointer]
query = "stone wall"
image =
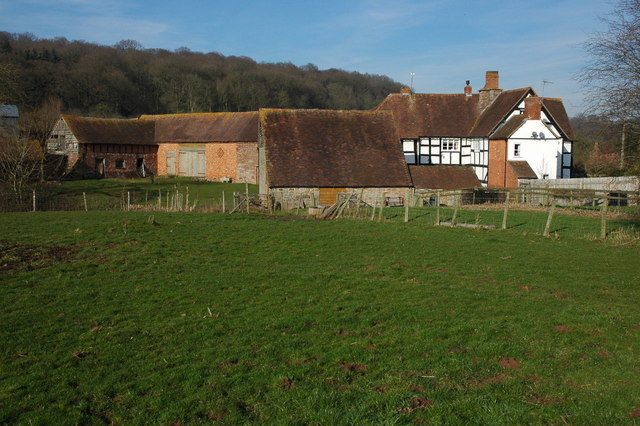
x,y
308,197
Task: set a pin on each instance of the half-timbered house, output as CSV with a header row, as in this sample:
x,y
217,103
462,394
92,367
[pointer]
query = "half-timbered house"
x,y
474,129
321,153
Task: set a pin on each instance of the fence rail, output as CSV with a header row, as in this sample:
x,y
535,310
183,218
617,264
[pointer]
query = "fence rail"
x,y
547,211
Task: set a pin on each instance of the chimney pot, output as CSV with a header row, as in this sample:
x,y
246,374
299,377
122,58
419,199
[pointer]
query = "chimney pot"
x,y
405,90
468,90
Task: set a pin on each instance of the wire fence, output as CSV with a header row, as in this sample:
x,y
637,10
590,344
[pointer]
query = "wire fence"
x,y
551,212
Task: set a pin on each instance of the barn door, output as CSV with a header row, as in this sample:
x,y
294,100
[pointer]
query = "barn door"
x,y
329,196
192,163
171,163
100,167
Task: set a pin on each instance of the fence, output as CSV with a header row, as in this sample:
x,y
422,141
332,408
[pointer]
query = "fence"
x,y
539,210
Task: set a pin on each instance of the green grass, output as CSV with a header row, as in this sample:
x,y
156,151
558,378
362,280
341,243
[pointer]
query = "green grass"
x,y
112,194
135,317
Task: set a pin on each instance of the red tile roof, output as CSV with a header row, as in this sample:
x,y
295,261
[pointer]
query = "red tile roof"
x,y
522,169
431,114
443,177
323,148
206,127
111,131
555,109
496,113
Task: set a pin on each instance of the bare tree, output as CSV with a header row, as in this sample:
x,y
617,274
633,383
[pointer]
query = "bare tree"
x,y
612,74
37,125
19,163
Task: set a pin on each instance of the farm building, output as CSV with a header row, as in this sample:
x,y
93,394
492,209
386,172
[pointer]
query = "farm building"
x,y
96,147
492,131
321,153
9,117
213,146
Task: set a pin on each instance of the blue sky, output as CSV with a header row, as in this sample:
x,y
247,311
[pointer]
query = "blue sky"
x,y
444,42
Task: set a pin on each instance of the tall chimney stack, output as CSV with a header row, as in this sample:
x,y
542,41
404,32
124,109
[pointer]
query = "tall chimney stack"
x,y
490,91
532,108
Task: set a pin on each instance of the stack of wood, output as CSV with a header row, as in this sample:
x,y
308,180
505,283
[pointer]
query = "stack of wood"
x,y
343,204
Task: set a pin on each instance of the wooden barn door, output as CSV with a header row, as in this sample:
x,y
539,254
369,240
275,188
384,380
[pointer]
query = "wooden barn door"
x,y
192,163
329,196
171,163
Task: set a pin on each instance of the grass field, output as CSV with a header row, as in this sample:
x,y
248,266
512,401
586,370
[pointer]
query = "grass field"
x,y
134,317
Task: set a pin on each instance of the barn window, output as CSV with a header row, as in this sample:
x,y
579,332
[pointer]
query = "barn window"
x,y
120,163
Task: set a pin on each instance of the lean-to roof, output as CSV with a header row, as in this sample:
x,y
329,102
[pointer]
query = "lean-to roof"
x,y
443,177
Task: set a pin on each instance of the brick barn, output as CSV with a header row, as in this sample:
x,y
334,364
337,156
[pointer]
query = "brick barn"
x,y
110,148
213,146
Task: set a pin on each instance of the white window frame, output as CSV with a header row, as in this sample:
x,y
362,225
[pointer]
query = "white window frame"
x,y
450,144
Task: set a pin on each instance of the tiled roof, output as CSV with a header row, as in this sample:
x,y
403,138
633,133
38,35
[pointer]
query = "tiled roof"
x,y
206,127
111,131
9,111
522,169
443,177
431,114
323,148
510,127
498,111
555,109
455,115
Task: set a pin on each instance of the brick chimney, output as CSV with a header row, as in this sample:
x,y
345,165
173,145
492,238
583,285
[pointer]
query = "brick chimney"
x,y
468,90
532,107
405,90
490,91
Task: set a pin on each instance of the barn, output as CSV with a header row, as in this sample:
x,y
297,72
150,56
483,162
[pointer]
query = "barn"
x,y
98,147
212,146
320,153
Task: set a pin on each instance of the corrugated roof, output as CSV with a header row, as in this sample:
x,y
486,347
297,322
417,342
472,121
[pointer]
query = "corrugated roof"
x,y
522,169
9,111
111,131
498,111
324,148
443,177
206,127
555,109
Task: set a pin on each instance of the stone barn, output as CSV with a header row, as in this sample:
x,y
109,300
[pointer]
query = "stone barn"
x,y
318,154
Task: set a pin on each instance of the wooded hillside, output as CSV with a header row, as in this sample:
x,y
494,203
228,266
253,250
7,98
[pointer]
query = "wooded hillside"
x,y
127,80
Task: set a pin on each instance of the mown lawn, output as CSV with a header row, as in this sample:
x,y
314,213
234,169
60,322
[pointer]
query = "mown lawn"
x,y
133,317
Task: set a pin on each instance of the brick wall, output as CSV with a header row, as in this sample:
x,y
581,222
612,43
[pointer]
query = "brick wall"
x,y
497,163
129,163
163,148
220,161
247,155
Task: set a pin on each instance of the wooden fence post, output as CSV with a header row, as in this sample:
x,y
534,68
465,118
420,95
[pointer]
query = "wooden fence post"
x,y
84,198
547,227
246,190
406,206
223,203
381,207
603,219
128,200
455,215
34,199
506,211
437,208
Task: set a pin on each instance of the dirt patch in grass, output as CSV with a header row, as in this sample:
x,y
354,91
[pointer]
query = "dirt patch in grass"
x,y
26,257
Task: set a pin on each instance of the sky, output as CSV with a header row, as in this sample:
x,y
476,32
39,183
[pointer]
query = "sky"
x,y
442,42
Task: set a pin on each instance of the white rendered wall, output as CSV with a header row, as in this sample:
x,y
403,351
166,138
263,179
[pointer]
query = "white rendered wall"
x,y
543,155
